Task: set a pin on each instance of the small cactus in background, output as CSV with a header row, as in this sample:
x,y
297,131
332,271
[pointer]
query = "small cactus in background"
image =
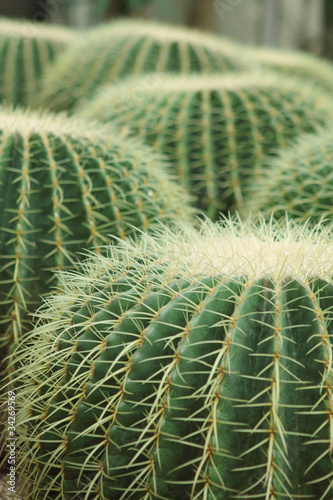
x,y
26,51
67,185
216,130
305,66
132,47
299,182
195,365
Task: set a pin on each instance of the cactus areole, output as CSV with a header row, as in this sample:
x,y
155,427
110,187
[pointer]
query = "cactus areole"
x,y
66,186
188,366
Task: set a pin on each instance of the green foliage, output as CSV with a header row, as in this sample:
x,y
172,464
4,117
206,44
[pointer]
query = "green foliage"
x,y
132,47
65,186
196,365
26,51
299,182
215,129
302,65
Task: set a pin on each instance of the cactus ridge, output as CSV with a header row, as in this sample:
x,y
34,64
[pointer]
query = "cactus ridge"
x,y
299,182
130,48
26,51
216,130
161,373
65,186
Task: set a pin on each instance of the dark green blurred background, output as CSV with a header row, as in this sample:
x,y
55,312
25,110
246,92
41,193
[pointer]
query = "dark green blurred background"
x,y
291,24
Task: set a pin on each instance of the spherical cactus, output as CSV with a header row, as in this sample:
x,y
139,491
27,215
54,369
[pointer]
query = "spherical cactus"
x,y
305,66
26,51
299,182
66,185
216,130
133,47
196,365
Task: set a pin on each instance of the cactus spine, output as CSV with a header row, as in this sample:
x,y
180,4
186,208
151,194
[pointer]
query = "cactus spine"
x,y
67,185
216,130
129,47
195,365
26,51
299,182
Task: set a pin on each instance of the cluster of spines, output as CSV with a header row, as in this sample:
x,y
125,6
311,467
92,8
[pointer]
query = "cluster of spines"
x,y
155,385
126,48
215,130
26,51
62,191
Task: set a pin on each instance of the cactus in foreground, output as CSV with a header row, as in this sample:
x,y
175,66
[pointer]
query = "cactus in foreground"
x,y
305,66
67,185
299,182
26,51
133,47
216,130
196,365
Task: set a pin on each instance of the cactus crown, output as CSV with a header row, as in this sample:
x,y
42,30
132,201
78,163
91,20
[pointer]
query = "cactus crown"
x,y
215,129
195,365
130,48
23,28
66,185
26,50
298,182
230,248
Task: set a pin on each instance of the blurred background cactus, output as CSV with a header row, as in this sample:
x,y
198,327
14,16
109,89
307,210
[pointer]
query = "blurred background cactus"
x,y
298,183
116,50
216,130
26,51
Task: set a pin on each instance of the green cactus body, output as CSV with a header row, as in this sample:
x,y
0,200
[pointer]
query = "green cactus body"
x,y
65,186
299,182
195,365
133,47
305,66
216,130
26,51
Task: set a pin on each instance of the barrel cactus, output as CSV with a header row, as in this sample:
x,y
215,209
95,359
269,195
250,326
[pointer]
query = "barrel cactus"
x,y
299,182
195,365
26,51
215,129
305,66
66,185
132,47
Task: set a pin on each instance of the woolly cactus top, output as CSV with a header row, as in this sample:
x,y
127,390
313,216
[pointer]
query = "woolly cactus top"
x,y
301,64
298,182
23,28
163,32
25,121
190,365
230,249
134,88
